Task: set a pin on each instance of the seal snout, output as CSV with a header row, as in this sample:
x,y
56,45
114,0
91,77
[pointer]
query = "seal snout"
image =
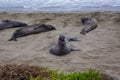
x,y
61,38
84,19
53,28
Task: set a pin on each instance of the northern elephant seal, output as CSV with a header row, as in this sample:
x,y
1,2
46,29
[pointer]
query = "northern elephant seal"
x,y
62,46
4,24
88,25
32,29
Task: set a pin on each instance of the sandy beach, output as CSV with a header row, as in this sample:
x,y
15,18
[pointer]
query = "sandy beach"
x,y
99,49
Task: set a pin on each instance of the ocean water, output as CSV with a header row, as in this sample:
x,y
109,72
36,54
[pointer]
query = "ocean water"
x,y
59,5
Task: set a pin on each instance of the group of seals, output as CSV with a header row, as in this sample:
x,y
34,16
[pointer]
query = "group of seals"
x,y
32,29
62,46
4,24
26,30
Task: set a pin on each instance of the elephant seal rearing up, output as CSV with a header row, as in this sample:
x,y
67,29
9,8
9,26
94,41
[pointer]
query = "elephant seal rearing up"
x,y
88,25
4,24
32,29
62,46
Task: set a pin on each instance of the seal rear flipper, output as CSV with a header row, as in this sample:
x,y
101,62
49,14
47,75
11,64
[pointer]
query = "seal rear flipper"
x,y
74,49
73,39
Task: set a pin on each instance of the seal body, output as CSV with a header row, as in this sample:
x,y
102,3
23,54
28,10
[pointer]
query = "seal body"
x,y
62,46
4,24
32,29
88,25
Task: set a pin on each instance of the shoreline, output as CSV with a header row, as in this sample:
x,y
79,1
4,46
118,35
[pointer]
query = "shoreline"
x,y
73,11
63,9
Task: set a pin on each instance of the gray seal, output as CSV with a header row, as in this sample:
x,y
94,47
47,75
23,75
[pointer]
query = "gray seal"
x,y
62,46
32,29
4,24
88,25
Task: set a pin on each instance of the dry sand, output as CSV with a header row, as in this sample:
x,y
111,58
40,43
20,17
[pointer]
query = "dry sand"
x,y
100,49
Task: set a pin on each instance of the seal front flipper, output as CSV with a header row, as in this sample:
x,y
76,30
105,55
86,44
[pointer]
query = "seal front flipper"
x,y
12,39
37,26
15,35
83,32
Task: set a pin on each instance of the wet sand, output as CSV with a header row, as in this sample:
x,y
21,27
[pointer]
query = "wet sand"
x,y
99,49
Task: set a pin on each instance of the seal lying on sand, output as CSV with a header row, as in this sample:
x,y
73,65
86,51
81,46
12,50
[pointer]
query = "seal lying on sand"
x,y
4,24
62,46
32,29
88,25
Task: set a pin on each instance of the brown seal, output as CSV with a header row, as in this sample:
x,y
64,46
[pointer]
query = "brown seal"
x,y
4,24
62,46
32,29
88,25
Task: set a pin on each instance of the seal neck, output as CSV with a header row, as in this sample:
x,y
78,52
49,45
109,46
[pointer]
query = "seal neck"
x,y
62,44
